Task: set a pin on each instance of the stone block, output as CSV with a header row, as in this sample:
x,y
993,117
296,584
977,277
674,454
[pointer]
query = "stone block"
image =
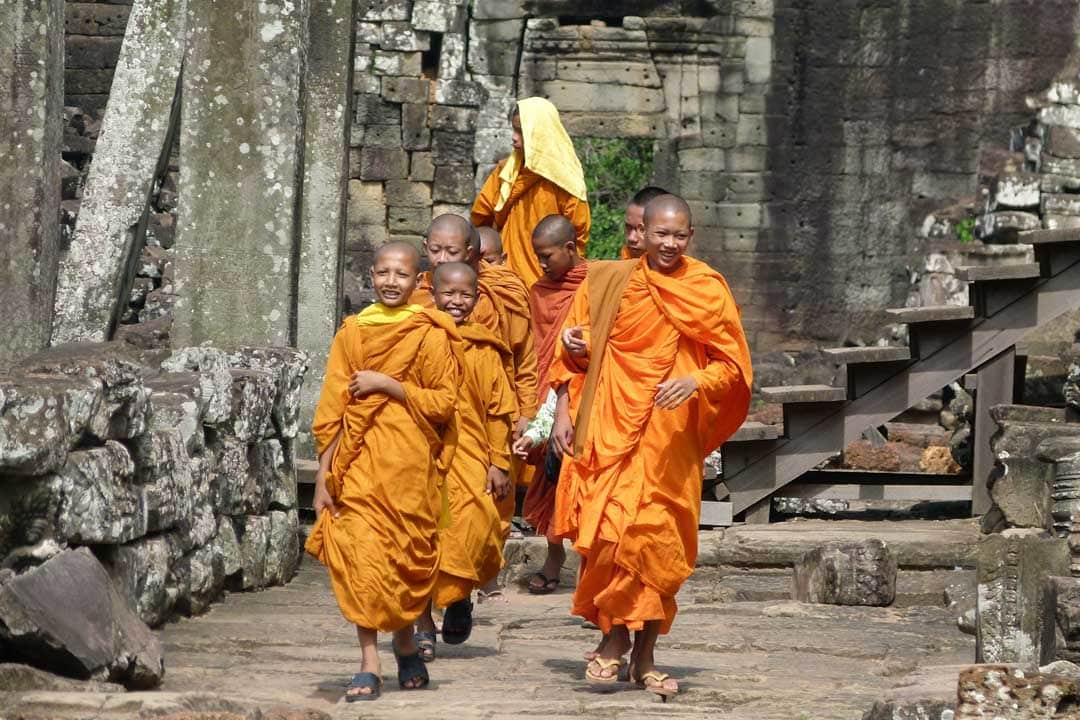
x,y
406,64
498,58
385,10
498,9
853,573
402,36
253,537
415,134
459,92
614,125
586,97
66,616
1063,605
1062,142
702,160
200,579
283,547
759,60
491,145
253,393
1012,569
1004,691
366,204
421,168
1061,222
452,148
383,163
233,487
459,119
752,159
178,411
90,18
382,136
227,546
41,418
287,367
1060,204
410,194
1064,115
1015,191
438,16
92,52
140,570
372,109
453,184
211,366
96,502
408,220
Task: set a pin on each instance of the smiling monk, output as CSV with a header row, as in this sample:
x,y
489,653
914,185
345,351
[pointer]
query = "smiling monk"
x,y
653,373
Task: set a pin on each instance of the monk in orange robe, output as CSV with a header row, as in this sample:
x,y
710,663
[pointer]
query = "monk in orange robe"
x,y
633,240
478,475
549,303
390,389
542,177
652,374
502,306
491,247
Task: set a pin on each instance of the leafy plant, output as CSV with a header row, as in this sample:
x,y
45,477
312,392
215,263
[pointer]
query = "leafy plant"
x,y
965,230
615,169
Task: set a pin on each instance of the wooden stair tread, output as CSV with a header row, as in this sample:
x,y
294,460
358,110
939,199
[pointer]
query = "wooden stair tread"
x,y
755,431
1047,237
803,394
983,273
932,313
853,355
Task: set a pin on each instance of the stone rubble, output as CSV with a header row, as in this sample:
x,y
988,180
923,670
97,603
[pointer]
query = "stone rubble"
x,y
852,573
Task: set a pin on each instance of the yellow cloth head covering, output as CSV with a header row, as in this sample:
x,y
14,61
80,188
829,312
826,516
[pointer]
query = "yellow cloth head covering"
x,y
379,314
549,152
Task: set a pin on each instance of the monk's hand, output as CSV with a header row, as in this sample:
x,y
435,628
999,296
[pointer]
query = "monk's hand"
x,y
522,446
366,382
562,433
498,482
322,500
520,427
573,340
670,394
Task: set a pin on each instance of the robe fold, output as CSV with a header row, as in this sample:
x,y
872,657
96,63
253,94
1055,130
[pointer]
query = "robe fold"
x,y
386,474
472,545
549,304
630,497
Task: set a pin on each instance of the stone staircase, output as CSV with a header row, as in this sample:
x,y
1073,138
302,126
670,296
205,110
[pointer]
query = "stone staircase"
x,y
975,342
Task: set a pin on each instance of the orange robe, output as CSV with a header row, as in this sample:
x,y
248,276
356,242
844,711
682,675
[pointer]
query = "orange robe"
x,y
549,303
382,551
630,498
472,544
532,198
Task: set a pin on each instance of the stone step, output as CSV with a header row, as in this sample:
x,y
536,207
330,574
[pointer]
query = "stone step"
x,y
854,355
754,432
985,273
1047,237
803,394
305,471
932,313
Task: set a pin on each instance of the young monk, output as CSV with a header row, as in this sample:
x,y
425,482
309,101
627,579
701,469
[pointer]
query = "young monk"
x,y
653,373
479,472
502,306
554,244
491,247
633,242
542,177
390,388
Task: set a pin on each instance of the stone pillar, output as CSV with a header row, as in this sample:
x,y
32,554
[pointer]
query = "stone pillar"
x,y
31,130
328,95
241,143
1065,510
96,268
1012,625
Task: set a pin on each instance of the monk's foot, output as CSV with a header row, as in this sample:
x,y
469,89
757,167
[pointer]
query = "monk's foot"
x,y
656,682
593,654
604,667
546,580
366,684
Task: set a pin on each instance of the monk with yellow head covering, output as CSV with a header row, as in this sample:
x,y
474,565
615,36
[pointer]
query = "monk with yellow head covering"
x,y
542,177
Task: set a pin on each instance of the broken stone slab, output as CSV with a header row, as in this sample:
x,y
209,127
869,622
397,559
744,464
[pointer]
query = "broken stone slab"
x,y
200,579
234,488
253,536
66,616
283,547
140,570
94,270
41,418
287,366
1005,225
163,470
215,381
95,498
227,546
178,411
854,573
1063,607
274,468
1004,691
1012,624
253,394
124,407
1015,191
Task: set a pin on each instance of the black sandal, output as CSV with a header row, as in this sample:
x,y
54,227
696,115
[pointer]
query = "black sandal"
x,y
411,667
361,681
459,617
549,586
426,642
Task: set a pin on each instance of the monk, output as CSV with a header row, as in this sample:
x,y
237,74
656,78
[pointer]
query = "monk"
x,y
502,306
491,247
478,475
553,242
542,177
652,373
633,242
391,383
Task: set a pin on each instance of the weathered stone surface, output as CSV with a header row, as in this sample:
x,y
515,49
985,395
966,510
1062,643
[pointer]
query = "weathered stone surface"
x,y
123,410
453,184
233,486
1019,190
1011,620
253,535
253,394
438,16
200,579
1063,606
862,573
287,368
275,473
212,372
97,501
1062,142
1002,691
41,418
170,410
140,570
94,271
236,226
381,163
66,615
31,132
283,547
163,469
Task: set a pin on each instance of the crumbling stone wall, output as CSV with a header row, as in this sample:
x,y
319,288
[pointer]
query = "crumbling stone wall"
x,y
93,33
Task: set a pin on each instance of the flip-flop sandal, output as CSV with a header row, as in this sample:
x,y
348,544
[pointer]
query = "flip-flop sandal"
x,y
549,586
426,642
411,667
658,688
483,596
597,677
363,681
458,617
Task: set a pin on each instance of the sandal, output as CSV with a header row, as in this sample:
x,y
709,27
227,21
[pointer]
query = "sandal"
x,y
483,596
363,681
458,616
547,586
603,664
411,667
426,642
657,686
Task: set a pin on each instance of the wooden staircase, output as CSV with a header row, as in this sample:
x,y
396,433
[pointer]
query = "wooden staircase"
x,y
946,344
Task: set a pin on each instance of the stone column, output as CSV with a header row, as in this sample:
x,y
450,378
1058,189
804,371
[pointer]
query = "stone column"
x,y
31,130
328,95
240,144
95,270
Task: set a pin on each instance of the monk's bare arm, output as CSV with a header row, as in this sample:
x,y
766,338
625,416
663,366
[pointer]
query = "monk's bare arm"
x,y
322,499
483,209
562,431
367,382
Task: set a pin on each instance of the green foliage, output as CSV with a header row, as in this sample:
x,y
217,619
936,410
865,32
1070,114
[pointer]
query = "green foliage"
x,y
965,230
615,169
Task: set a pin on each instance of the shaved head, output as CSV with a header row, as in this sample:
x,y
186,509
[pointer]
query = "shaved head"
x,y
647,194
449,272
451,224
403,249
554,230
491,237
451,238
665,204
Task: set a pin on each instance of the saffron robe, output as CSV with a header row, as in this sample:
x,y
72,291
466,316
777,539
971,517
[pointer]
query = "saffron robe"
x,y
549,304
630,498
472,545
382,551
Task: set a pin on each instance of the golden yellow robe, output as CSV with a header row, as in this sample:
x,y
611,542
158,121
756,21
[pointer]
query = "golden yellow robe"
x,y
630,498
472,544
382,551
